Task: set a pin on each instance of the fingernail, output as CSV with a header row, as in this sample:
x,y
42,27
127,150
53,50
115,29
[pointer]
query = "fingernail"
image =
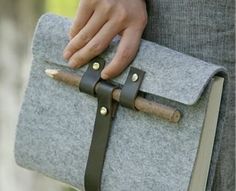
x,y
72,64
104,76
67,55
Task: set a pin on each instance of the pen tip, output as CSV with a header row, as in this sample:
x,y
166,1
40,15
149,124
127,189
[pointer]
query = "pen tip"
x,y
51,73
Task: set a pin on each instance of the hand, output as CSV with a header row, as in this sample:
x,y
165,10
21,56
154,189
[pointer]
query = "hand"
x,y
97,23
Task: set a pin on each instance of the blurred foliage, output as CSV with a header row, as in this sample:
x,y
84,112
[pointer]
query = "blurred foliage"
x,y
62,7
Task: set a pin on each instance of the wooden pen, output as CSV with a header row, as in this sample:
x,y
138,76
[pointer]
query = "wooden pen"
x,y
141,104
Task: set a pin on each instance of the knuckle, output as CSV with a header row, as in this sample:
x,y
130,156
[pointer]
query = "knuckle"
x,y
140,22
72,47
122,15
108,6
74,61
84,37
78,58
143,20
96,48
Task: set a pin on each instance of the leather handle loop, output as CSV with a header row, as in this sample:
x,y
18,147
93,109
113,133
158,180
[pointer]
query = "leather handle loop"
x,y
92,75
131,87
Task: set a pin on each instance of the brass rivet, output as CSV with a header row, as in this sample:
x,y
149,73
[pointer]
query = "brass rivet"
x,y
96,65
103,111
134,77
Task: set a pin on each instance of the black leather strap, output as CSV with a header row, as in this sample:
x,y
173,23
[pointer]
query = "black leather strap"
x,y
101,132
106,110
91,77
131,87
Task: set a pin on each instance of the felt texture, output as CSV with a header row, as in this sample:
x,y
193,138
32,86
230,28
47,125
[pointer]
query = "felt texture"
x,y
145,152
186,72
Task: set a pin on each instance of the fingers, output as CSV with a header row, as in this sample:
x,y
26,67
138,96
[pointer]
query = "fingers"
x,y
84,13
96,46
126,52
94,24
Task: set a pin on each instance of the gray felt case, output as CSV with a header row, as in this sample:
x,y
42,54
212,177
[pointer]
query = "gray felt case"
x,y
145,153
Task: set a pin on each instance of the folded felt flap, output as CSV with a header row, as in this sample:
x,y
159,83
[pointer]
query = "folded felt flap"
x,y
169,74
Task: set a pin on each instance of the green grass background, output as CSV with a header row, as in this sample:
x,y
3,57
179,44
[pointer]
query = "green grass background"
x,y
62,7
